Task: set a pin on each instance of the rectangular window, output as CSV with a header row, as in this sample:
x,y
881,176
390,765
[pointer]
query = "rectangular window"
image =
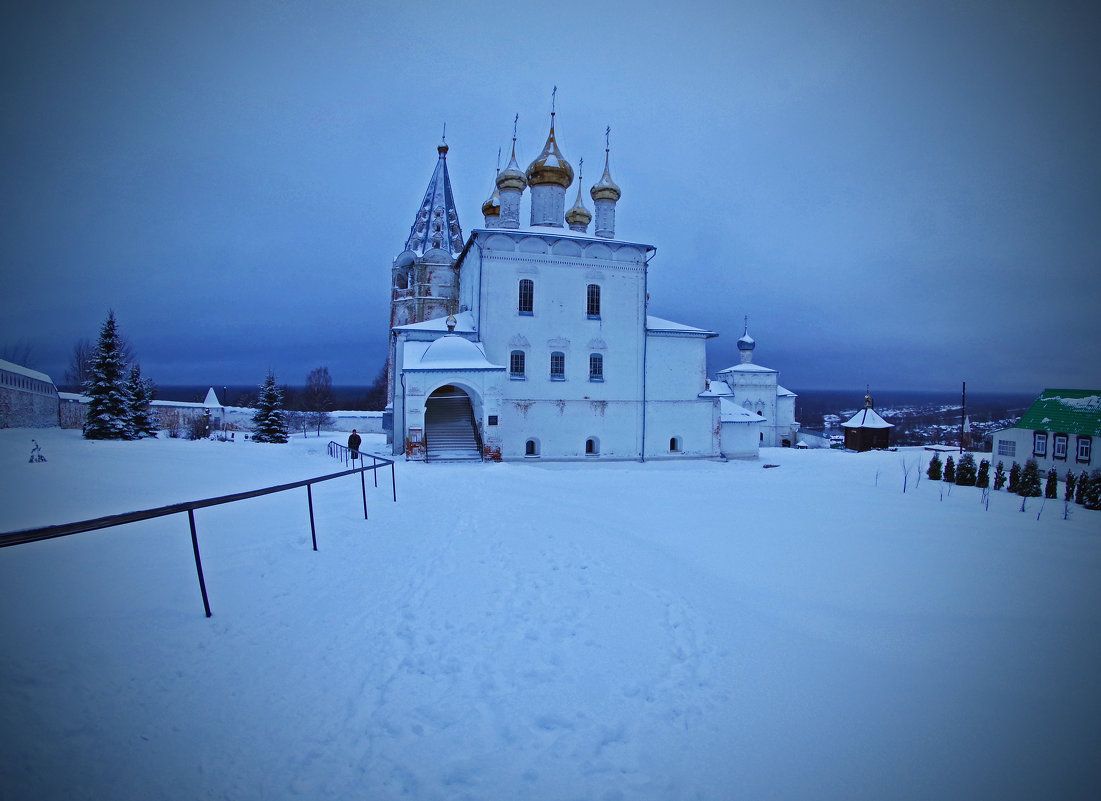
x,y
516,365
592,301
558,366
526,301
1059,446
1084,447
596,367
1039,443
1007,447
492,420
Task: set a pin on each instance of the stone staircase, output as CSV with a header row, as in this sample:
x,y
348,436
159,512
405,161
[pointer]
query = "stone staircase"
x,y
450,434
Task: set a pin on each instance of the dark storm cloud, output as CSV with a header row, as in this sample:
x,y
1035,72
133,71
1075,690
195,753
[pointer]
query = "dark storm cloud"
x,y
902,196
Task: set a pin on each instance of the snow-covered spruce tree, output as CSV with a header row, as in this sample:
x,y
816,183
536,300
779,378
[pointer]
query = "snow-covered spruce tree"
x,y
142,392
1092,497
269,422
108,415
1014,478
1068,492
965,471
999,476
934,472
1051,488
1083,487
1029,485
982,480
950,470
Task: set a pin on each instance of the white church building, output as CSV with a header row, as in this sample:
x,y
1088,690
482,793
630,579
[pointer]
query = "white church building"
x,y
535,342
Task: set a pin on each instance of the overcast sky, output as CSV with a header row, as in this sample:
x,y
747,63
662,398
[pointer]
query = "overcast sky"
x,y
906,195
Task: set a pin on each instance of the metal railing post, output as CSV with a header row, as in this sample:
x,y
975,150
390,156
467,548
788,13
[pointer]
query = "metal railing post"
x,y
313,530
198,561
363,486
393,482
374,469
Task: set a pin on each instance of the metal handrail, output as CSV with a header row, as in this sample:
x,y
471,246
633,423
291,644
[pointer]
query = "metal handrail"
x,y
24,536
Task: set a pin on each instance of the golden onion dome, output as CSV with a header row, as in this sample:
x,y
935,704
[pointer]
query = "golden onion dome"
x,y
511,177
605,188
549,166
578,214
492,206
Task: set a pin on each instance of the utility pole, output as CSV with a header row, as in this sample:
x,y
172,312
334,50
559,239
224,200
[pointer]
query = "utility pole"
x,y
963,415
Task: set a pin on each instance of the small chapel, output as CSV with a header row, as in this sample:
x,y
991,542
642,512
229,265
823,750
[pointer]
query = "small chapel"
x,y
533,339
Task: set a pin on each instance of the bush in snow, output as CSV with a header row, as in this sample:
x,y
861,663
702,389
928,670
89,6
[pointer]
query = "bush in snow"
x,y
1029,485
1068,492
1083,487
999,476
1092,497
965,471
950,470
1014,477
268,419
934,471
982,480
1051,488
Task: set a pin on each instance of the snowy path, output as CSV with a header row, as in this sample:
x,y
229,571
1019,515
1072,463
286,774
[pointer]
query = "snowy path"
x,y
659,631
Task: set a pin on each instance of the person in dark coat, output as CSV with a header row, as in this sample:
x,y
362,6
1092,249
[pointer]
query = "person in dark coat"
x,y
353,443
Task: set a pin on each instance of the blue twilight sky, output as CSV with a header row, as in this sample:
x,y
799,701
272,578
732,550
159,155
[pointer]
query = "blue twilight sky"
x,y
900,194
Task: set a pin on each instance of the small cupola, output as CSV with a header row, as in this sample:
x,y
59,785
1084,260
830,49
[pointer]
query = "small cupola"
x,y
511,184
746,344
605,194
579,217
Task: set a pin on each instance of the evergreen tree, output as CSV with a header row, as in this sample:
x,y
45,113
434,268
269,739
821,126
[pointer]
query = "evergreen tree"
x,y
999,476
934,471
1014,478
1029,484
1051,488
1092,498
143,419
965,471
1068,493
950,470
108,414
982,480
1083,487
269,420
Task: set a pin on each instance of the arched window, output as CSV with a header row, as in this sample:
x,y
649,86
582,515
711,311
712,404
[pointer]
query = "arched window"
x,y
592,446
674,445
592,301
526,301
596,367
558,366
516,365
531,447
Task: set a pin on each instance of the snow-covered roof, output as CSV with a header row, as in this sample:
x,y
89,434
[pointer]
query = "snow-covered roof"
x,y
211,398
11,367
449,352
731,412
748,367
562,233
656,325
784,393
464,323
867,418
717,389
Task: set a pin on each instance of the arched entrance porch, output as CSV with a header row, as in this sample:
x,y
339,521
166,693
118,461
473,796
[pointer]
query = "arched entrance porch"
x,y
450,430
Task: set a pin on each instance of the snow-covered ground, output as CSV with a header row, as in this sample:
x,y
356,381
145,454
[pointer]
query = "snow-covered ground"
x,y
542,631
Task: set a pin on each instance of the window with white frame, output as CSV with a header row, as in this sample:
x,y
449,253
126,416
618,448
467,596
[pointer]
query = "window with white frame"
x,y
1007,447
558,366
592,301
1085,445
1059,446
1039,443
525,303
596,367
516,365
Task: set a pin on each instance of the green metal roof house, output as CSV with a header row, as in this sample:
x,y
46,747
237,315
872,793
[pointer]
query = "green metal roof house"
x,y
1061,429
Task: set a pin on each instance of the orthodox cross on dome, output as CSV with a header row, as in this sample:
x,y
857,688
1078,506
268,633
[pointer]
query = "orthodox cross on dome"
x,y
554,92
607,138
